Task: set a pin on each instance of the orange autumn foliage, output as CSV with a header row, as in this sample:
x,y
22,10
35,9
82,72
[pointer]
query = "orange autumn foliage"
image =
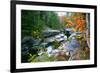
x,y
79,24
70,23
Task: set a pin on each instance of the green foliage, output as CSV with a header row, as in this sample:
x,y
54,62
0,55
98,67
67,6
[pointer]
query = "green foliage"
x,y
31,58
53,20
42,58
34,22
31,21
56,44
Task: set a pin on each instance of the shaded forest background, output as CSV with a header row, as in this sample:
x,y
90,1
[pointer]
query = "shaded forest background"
x,y
34,23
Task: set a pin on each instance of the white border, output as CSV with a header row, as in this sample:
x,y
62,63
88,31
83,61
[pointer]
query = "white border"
x,y
20,65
